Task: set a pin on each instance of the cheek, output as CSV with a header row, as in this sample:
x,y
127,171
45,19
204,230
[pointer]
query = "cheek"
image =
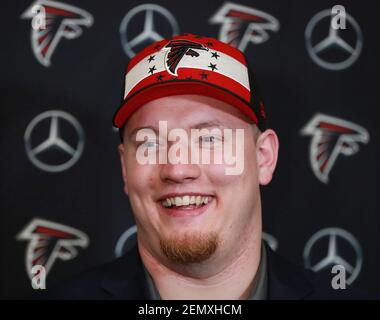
x,y
250,165
141,185
140,178
237,194
248,175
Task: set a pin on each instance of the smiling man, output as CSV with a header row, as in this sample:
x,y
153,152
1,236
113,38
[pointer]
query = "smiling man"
x,y
199,230
191,111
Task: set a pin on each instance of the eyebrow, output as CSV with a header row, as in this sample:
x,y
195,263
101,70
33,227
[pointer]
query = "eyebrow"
x,y
205,124
135,130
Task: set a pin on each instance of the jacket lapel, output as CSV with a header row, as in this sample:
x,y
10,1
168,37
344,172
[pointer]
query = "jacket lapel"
x,y
125,278
285,280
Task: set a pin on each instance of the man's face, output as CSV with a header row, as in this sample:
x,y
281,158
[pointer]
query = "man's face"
x,y
193,232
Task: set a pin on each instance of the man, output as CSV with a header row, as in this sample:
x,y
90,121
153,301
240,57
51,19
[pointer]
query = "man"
x,y
199,223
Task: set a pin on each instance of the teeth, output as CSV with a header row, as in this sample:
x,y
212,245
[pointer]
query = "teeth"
x,y
178,201
185,201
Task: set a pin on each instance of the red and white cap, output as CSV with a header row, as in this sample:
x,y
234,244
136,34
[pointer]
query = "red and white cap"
x,y
191,64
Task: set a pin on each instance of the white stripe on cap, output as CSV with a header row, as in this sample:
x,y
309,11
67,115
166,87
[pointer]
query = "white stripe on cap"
x,y
225,65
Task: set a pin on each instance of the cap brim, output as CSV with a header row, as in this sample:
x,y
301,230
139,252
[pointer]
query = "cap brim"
x,y
179,87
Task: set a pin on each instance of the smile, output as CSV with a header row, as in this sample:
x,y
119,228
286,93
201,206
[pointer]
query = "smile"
x,y
186,205
187,200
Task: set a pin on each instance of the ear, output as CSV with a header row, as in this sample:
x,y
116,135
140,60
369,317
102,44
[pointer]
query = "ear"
x,y
267,153
121,150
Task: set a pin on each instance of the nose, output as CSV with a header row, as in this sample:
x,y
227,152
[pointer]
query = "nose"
x,y
179,173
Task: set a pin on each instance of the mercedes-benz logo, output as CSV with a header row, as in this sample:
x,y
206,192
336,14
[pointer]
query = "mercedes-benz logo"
x,y
168,25
322,251
126,241
270,240
44,143
333,52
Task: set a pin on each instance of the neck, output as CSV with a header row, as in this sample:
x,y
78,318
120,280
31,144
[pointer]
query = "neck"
x,y
230,277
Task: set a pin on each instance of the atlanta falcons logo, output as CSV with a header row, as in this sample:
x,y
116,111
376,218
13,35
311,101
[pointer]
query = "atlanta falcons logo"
x,y
177,50
62,21
330,137
49,241
242,25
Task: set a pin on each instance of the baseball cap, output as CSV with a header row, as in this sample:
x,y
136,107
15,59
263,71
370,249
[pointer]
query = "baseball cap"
x,y
191,64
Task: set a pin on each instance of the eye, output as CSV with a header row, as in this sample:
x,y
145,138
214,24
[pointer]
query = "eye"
x,y
150,144
209,140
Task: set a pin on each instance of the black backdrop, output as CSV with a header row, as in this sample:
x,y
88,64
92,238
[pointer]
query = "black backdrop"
x,y
82,189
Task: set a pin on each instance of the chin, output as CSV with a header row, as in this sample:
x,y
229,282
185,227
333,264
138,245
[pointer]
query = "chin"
x,y
189,247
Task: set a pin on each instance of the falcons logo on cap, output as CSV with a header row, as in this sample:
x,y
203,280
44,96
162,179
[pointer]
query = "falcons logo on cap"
x,y
178,49
330,137
49,241
61,21
242,25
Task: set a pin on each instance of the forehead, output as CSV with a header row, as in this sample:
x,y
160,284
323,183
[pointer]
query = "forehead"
x,y
187,111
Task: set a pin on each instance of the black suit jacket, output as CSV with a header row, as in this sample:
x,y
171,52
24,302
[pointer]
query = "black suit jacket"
x,y
124,278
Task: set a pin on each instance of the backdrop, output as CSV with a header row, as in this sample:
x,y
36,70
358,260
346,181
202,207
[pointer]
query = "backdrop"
x,y
62,201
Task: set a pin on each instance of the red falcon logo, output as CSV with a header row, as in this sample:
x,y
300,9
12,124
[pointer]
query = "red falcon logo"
x,y
178,49
242,25
49,241
331,137
62,21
